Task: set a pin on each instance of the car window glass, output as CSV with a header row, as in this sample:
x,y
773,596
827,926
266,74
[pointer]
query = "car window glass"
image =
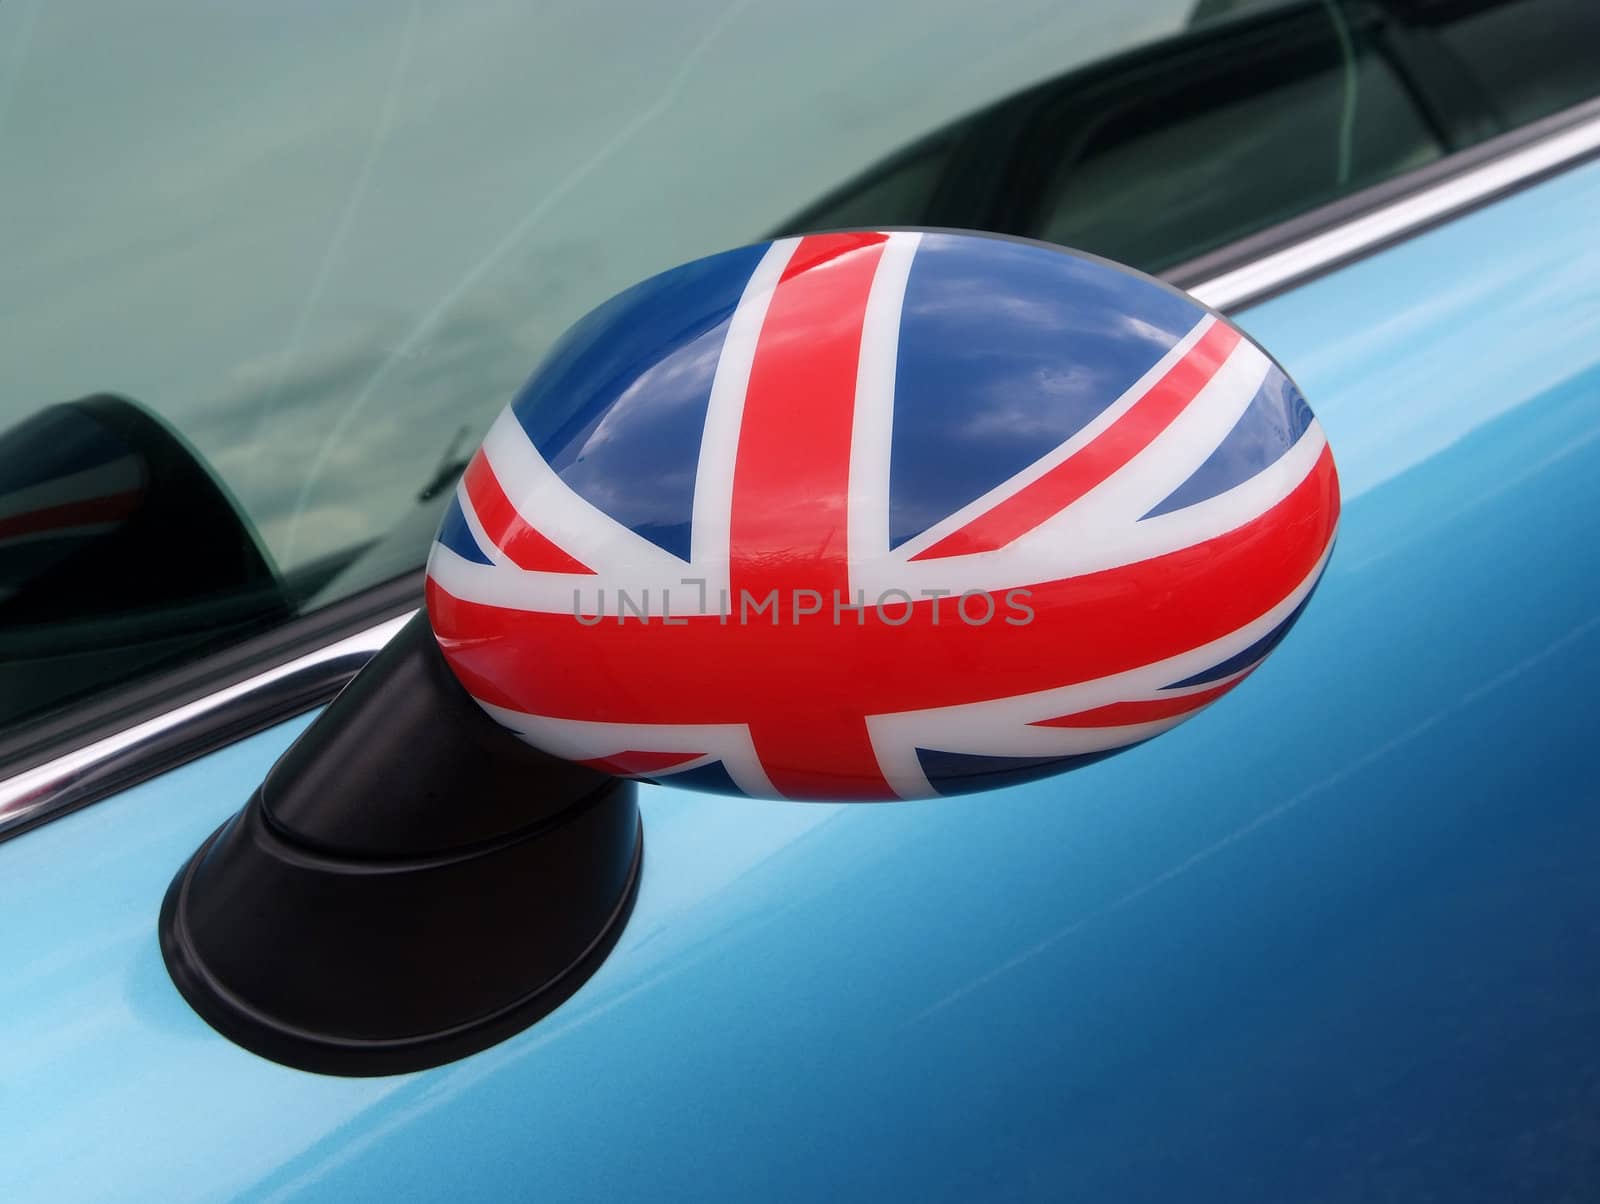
x,y
1176,174
1531,58
306,251
1254,113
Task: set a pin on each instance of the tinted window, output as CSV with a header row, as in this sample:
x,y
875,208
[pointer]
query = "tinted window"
x,y
1531,58
1257,112
118,552
1186,171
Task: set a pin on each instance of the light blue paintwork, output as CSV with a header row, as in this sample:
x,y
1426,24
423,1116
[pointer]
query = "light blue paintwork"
x,y
1334,938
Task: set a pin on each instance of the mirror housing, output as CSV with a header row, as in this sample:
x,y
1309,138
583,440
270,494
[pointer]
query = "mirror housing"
x,y
875,516
855,516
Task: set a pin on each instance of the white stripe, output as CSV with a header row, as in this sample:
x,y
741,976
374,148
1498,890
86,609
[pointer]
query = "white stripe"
x,y
709,533
1069,544
1177,452
475,525
1208,519
656,586
873,422
999,727
582,740
1044,464
551,507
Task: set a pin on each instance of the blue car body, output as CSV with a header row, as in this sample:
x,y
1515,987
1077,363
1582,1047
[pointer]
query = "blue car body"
x,y
1332,939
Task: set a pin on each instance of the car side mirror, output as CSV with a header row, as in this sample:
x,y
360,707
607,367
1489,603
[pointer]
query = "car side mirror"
x,y
852,516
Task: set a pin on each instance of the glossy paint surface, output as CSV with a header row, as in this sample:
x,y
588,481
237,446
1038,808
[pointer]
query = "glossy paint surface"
x,y
1335,940
870,515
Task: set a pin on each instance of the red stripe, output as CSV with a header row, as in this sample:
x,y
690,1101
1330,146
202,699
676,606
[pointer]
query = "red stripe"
x,y
507,529
805,690
791,482
1121,714
791,488
1099,458
71,514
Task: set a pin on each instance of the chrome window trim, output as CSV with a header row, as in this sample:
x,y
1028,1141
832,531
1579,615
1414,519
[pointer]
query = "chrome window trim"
x,y
38,794
1339,244
35,795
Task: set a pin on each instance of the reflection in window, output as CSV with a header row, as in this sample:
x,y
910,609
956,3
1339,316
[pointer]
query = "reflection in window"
x,y
1257,112
1166,182
119,552
1532,57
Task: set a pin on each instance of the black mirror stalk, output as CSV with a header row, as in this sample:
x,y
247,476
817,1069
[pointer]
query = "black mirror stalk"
x,y
410,883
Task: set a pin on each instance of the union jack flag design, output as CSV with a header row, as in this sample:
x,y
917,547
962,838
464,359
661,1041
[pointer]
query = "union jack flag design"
x,y
881,515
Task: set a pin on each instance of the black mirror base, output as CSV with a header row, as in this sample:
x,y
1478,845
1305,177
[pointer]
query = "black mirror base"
x,y
410,884
353,967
